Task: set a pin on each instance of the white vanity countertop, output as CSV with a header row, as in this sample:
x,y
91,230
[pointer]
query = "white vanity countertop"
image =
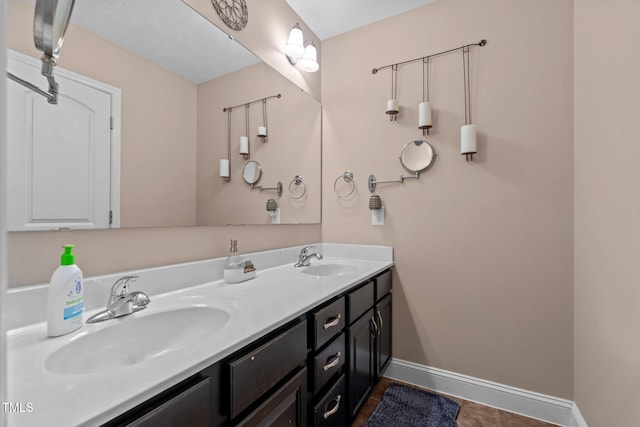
x,y
276,296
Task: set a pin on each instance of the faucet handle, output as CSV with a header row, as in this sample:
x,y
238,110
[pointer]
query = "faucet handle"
x,y
124,283
305,250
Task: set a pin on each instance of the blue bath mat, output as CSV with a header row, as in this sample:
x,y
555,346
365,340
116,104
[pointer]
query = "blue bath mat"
x,y
403,406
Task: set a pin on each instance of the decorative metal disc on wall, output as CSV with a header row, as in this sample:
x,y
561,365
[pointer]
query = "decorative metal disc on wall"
x,y
234,13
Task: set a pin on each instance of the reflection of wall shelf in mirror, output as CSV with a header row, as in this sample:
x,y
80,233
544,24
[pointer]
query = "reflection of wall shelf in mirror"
x,y
262,130
416,157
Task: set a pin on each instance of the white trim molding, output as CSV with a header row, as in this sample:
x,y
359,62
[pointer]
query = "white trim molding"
x,y
546,408
576,418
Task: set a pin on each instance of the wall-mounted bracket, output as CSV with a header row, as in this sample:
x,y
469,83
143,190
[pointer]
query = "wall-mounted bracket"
x,y
277,188
373,182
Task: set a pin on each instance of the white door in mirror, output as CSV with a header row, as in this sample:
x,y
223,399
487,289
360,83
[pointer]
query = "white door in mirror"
x,y
60,156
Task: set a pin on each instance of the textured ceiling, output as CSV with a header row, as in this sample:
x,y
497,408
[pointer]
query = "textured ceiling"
x,y
175,37
165,32
328,18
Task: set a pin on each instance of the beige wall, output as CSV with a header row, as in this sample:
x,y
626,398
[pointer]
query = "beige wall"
x,y
483,250
158,133
294,127
607,209
266,34
33,256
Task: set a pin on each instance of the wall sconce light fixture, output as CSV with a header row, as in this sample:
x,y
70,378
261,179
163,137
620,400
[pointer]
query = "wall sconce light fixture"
x,y
225,164
393,106
303,55
468,131
244,139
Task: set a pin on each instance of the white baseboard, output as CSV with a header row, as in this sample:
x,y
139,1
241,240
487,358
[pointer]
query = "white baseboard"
x,y
530,404
576,418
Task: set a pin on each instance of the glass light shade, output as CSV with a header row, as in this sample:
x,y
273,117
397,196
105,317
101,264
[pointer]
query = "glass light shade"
x,y
295,45
309,61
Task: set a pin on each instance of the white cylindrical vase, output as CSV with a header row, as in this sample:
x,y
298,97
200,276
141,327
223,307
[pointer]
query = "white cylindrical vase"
x,y
244,145
424,115
224,168
468,139
262,131
393,106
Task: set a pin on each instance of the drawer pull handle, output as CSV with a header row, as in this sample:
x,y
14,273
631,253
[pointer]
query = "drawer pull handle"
x,y
332,323
373,327
381,322
333,363
334,409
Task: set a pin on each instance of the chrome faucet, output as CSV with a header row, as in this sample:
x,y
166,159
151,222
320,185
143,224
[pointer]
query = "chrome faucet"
x,y
122,302
304,256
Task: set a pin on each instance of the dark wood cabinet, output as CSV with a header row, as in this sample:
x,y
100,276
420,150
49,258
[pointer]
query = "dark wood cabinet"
x,y
317,370
331,411
256,371
383,339
369,339
186,404
286,407
361,341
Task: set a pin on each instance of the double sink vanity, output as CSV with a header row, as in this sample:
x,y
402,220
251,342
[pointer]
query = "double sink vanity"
x,y
294,346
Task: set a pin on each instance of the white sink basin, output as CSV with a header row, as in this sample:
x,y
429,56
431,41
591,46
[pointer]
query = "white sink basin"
x,y
137,338
332,268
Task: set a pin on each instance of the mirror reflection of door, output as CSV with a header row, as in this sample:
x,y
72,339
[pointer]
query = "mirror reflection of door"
x,y
60,156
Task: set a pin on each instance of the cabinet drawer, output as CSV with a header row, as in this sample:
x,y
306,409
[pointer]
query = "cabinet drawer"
x,y
328,322
285,407
328,362
383,285
190,408
252,374
360,301
331,410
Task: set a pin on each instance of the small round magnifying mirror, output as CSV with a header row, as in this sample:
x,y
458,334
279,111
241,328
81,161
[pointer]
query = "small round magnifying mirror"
x,y
252,172
50,24
417,156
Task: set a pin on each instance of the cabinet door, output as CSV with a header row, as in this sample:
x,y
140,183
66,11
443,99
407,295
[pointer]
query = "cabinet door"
x,y
191,408
383,340
285,408
361,335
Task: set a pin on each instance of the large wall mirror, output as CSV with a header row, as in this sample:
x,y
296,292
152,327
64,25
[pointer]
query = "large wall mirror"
x,y
165,74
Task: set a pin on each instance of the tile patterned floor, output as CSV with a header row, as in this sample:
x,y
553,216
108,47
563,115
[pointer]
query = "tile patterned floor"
x,y
471,414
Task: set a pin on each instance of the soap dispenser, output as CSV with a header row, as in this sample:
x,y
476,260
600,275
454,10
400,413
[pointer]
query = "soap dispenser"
x,y
64,305
233,267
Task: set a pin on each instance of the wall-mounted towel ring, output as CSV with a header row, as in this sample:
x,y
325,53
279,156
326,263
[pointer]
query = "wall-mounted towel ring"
x,y
348,178
295,188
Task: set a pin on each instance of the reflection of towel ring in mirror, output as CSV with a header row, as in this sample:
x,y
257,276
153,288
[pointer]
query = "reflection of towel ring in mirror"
x,y
297,181
347,177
